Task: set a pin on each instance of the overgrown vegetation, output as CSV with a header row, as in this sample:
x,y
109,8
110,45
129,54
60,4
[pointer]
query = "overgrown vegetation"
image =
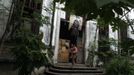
x,y
29,52
120,66
105,9
22,33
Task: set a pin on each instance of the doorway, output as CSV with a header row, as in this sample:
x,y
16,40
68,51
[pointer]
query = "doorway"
x,y
64,44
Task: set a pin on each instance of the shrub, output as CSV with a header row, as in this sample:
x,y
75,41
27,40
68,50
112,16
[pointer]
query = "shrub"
x,y
120,66
29,52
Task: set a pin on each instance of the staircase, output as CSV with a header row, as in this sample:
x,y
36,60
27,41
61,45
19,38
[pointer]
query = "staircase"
x,y
69,69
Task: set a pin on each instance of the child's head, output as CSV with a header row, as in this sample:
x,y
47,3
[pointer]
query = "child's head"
x,y
72,45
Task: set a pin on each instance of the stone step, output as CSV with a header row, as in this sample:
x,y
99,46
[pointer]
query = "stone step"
x,y
74,71
69,69
55,73
75,68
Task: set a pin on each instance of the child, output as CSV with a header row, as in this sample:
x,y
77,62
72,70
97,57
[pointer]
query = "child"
x,y
73,55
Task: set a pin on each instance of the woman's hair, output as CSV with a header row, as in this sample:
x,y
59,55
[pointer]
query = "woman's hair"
x,y
76,23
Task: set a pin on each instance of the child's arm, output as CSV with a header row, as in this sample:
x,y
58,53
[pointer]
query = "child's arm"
x,y
75,50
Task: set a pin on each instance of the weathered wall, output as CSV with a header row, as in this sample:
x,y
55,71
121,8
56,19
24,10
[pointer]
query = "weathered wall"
x,y
4,13
5,68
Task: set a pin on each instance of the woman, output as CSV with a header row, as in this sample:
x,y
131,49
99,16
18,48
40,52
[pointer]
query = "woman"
x,y
74,32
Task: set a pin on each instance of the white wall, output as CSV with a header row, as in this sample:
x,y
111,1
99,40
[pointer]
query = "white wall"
x,y
58,14
57,18
46,29
131,16
91,39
